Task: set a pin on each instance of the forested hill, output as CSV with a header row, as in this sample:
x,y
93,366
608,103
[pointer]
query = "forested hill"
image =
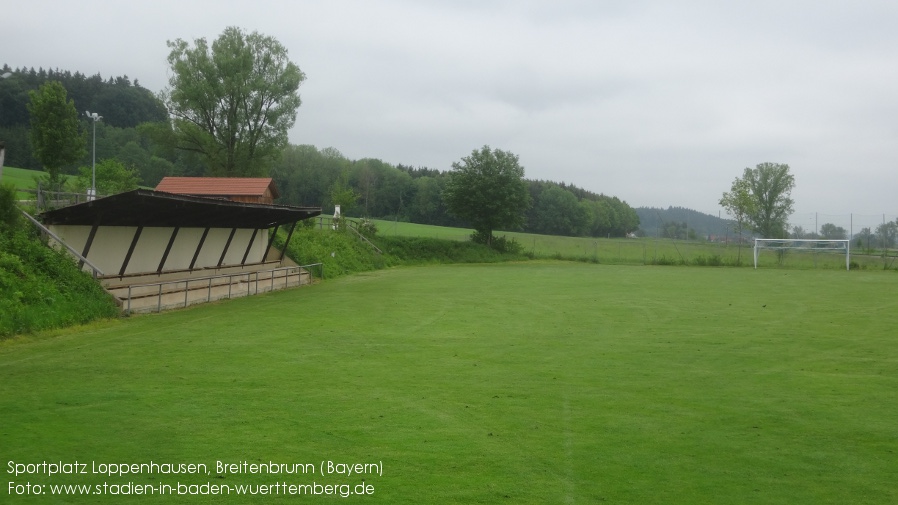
x,y
674,222
304,174
123,104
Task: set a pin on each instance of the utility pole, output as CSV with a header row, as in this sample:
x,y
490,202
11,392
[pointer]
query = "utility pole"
x,y
2,154
92,192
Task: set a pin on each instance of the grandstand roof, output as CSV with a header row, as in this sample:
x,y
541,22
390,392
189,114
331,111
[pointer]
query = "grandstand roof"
x,y
144,207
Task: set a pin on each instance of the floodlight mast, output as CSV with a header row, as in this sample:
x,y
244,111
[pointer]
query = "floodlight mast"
x,y
5,75
92,192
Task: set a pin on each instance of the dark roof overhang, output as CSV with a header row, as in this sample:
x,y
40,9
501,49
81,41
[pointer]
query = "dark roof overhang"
x,y
144,207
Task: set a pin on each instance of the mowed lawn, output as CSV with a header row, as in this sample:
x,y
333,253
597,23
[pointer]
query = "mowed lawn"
x,y
539,382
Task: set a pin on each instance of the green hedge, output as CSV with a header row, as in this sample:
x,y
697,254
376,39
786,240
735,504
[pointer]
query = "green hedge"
x,y
342,252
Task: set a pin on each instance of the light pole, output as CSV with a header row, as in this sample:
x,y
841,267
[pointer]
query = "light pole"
x,y
5,75
92,192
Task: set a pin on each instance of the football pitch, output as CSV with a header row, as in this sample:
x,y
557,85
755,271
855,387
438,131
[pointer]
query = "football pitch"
x,y
537,382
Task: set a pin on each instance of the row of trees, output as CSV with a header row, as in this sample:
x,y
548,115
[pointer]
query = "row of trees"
x,y
125,104
118,135
227,112
309,176
883,236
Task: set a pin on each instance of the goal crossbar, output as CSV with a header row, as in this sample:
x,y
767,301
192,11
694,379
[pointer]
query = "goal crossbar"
x,y
828,245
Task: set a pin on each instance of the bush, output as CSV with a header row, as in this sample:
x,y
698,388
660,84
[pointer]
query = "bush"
x,y
506,246
340,251
423,250
501,244
10,216
712,261
367,228
665,261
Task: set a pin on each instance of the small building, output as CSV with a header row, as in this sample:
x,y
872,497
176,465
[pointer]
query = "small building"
x,y
237,189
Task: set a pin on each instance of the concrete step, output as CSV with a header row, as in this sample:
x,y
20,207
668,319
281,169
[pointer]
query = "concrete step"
x,y
113,281
176,293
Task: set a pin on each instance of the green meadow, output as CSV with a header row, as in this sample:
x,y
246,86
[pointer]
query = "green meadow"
x,y
22,179
653,251
536,382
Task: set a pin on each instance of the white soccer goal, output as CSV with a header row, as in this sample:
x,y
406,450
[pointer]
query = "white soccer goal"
x,y
807,245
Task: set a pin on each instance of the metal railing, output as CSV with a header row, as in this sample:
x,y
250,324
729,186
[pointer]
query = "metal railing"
x,y
95,271
45,199
276,276
351,224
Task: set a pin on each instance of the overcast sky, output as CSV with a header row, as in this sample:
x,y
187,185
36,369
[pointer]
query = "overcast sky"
x,y
659,103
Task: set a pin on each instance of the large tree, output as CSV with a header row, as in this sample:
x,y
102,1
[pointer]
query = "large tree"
x,y
739,203
233,102
770,187
887,233
56,138
487,189
830,231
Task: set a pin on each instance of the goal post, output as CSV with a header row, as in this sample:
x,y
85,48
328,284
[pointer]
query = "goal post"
x,y
841,246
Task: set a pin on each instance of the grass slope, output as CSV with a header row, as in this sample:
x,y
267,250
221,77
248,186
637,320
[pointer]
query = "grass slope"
x,y
22,179
521,383
42,288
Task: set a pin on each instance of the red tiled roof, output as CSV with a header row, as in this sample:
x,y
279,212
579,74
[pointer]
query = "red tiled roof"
x,y
218,186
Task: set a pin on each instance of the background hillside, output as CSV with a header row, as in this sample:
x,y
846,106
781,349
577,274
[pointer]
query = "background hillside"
x,y
307,175
676,222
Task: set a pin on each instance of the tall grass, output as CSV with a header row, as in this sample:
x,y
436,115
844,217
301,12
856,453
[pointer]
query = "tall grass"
x,y
42,288
340,251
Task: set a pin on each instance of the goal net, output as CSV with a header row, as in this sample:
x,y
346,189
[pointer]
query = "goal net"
x,y
804,247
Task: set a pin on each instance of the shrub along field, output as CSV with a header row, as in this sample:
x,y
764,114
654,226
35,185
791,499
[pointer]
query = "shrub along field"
x,y
533,382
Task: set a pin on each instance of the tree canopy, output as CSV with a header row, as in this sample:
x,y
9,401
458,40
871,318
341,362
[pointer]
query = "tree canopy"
x,y
831,231
55,135
487,190
233,102
112,177
558,211
739,203
769,203
123,104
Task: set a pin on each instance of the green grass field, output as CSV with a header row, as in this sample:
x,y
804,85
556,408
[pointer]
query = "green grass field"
x,y
650,251
536,382
20,178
